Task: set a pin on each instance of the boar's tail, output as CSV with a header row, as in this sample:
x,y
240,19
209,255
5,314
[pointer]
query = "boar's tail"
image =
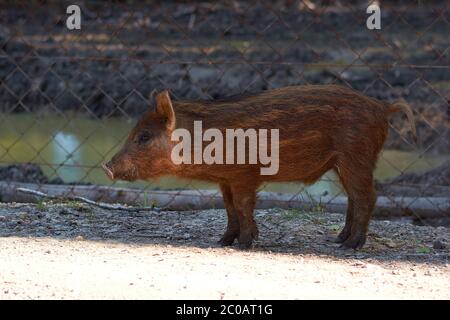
x,y
403,106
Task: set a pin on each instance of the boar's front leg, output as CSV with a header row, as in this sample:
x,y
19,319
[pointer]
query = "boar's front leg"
x,y
232,231
244,200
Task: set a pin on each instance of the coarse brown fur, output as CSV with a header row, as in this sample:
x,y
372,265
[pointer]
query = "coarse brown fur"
x,y
321,128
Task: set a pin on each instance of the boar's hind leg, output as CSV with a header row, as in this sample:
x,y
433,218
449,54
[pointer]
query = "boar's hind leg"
x,y
232,231
358,183
345,233
244,200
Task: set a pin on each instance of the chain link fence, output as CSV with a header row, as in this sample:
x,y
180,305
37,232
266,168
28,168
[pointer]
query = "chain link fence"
x,y
68,98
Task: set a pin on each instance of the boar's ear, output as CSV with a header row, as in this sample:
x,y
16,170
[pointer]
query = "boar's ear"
x,y
164,108
151,98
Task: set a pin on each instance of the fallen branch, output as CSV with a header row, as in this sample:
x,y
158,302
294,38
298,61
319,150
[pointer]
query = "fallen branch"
x,y
387,206
102,205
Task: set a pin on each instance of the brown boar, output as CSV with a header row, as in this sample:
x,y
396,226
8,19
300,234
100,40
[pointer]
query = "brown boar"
x,y
321,128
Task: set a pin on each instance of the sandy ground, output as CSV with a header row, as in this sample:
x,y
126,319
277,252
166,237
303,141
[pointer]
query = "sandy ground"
x,y
55,269
283,265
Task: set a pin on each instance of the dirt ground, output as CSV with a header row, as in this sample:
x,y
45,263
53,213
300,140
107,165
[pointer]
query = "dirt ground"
x,y
71,250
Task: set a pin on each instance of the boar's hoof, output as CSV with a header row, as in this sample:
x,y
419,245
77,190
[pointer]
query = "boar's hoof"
x,y
343,235
245,244
354,242
246,238
228,238
334,239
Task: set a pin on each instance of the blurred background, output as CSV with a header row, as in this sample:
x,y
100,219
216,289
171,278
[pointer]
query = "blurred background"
x,y
68,98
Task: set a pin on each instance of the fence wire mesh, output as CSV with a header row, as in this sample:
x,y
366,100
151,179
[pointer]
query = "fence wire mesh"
x,y
68,98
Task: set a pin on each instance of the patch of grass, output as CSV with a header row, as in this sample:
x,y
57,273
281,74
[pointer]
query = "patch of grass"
x,y
147,203
316,206
294,214
240,44
78,206
423,249
311,213
334,227
41,205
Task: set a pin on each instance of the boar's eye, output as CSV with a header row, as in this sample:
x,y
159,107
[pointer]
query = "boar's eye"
x,y
144,137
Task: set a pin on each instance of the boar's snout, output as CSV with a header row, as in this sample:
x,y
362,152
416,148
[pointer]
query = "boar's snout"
x,y
107,168
121,167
